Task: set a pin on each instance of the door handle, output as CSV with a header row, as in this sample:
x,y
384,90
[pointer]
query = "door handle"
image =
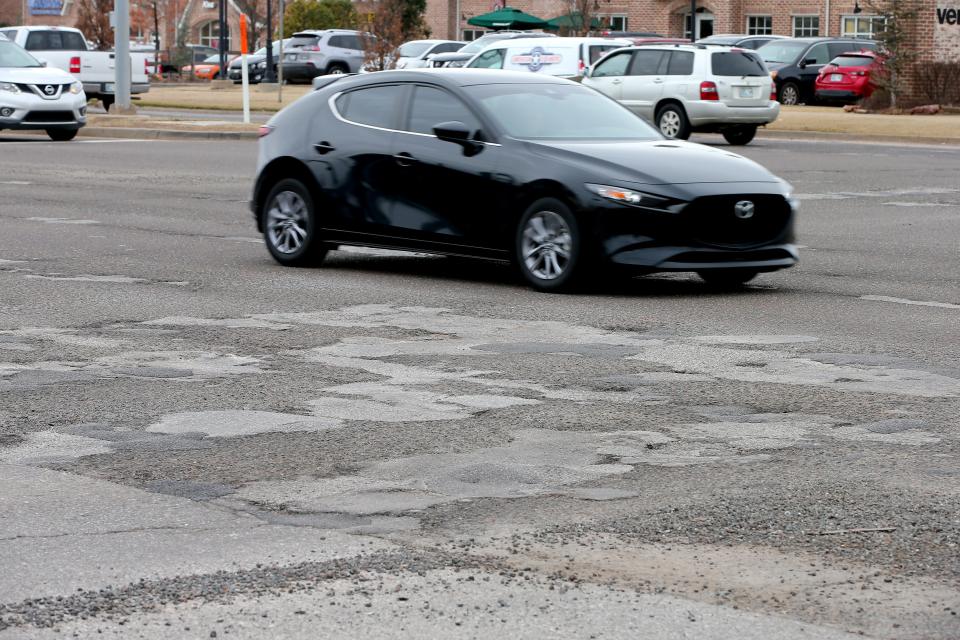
x,y
658,81
617,81
404,159
323,147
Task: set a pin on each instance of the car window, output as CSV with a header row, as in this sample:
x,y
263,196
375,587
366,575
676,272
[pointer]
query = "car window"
x,y
646,63
449,47
597,51
214,59
852,61
839,48
55,41
431,106
337,41
11,34
615,65
780,52
303,41
413,49
11,55
492,59
374,106
819,54
737,63
681,63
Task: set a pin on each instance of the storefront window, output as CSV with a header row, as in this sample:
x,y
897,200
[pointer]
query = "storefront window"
x,y
759,25
862,26
472,34
806,26
210,35
618,23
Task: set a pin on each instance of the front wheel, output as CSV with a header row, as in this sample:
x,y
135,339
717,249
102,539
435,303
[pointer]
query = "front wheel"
x,y
672,122
547,246
62,135
740,135
290,226
727,278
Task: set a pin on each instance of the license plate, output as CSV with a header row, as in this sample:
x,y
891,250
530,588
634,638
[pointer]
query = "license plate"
x,y
836,77
746,92
109,87
291,56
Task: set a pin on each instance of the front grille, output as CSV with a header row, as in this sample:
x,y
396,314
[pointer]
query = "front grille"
x,y
49,116
713,220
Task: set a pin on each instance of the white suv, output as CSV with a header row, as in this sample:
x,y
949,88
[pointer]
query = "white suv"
x,y
686,88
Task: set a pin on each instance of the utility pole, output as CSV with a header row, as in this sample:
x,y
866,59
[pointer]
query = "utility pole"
x,y
222,48
693,20
121,55
268,74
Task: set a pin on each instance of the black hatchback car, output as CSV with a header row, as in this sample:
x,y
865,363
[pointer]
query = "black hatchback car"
x,y
795,63
536,170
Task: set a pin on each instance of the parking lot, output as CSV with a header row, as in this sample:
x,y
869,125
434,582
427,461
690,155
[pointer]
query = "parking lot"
x,y
197,442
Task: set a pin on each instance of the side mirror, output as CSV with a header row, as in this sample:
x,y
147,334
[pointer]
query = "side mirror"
x,y
42,62
809,61
457,133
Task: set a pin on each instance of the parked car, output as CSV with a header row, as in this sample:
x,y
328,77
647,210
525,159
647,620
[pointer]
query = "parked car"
x,y
257,63
795,63
416,54
33,96
65,48
462,56
639,41
739,40
209,69
321,52
686,88
563,57
849,78
519,167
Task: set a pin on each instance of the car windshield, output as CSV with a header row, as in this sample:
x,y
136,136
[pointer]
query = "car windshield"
x,y
477,45
781,52
12,55
413,49
852,61
214,59
559,112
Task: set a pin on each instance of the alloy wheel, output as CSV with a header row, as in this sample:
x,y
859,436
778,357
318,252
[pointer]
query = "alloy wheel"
x,y
670,123
789,95
287,222
546,245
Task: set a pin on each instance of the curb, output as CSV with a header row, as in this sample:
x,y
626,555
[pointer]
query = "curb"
x,y
165,134
839,136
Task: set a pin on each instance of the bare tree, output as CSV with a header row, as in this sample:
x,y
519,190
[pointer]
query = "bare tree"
x,y
581,16
93,19
385,25
896,44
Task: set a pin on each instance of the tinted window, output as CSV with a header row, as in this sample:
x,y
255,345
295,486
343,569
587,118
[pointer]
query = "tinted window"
x,y
55,41
302,40
853,61
615,65
492,59
755,43
337,41
646,63
447,47
681,63
559,112
375,106
737,63
839,48
431,106
818,54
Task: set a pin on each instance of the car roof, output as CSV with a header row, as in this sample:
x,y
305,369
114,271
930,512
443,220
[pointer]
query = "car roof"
x,y
430,41
320,32
519,42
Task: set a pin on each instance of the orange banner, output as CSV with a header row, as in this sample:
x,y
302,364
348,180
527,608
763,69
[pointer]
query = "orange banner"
x,y
243,34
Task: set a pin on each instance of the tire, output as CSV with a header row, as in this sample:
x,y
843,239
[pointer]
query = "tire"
x,y
547,247
107,101
727,278
789,94
672,122
62,135
290,228
337,68
740,135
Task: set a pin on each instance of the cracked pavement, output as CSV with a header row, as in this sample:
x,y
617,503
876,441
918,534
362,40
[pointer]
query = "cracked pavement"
x,y
195,442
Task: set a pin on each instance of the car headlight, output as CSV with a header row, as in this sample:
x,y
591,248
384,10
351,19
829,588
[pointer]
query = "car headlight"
x,y
9,86
76,88
630,196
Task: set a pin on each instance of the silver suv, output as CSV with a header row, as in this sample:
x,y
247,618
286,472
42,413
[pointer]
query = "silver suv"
x,y
687,88
321,52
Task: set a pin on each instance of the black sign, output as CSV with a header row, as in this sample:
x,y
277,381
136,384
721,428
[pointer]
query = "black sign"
x,y
948,16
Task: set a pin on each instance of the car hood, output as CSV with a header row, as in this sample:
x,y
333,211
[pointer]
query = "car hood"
x,y
657,162
35,75
776,66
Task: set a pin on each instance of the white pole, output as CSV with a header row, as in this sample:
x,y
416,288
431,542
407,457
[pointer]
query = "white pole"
x,y
826,31
121,55
283,10
246,88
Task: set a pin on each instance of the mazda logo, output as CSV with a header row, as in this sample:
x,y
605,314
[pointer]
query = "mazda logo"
x,y
50,89
744,209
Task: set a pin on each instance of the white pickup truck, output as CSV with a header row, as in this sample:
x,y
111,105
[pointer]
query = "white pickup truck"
x,y
66,48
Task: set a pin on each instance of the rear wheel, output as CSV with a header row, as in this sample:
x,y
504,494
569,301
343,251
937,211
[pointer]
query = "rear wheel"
x,y
789,94
672,122
740,135
727,278
547,246
62,135
290,226
337,68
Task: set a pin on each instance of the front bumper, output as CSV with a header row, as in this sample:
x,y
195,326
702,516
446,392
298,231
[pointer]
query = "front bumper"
x,y
839,94
254,75
709,112
28,111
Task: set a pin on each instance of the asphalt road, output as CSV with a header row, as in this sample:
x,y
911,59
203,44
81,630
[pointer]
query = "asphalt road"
x,y
195,442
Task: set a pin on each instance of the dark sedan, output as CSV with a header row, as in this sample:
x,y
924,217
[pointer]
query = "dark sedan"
x,y
543,172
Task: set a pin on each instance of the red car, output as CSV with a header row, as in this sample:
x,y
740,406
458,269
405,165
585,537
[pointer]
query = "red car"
x,y
849,77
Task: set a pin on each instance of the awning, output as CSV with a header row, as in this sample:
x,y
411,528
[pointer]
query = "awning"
x,y
508,18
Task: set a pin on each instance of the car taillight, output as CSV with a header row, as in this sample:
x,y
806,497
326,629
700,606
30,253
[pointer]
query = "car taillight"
x,y
859,73
708,91
75,64
311,48
773,92
581,68
264,130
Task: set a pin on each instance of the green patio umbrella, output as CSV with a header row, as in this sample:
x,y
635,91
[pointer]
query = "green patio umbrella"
x,y
573,20
507,18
